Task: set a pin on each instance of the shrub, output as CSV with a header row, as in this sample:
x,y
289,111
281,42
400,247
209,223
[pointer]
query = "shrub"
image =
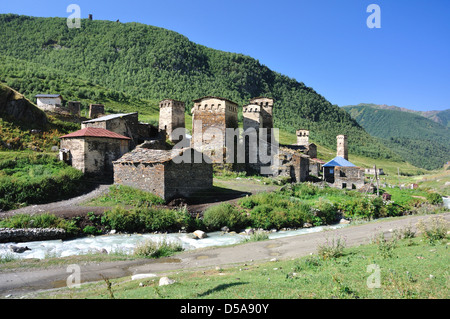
x,y
152,249
147,219
225,214
331,248
327,212
91,230
257,236
261,217
385,247
434,198
435,230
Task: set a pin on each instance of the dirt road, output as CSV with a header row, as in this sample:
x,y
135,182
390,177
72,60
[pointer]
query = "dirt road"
x,y
20,282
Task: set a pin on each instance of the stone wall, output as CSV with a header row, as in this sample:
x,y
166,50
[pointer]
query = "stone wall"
x,y
75,156
293,165
348,177
14,235
185,179
74,107
148,177
100,152
96,110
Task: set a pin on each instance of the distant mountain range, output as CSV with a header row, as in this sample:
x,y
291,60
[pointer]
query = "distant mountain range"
x,y
441,117
421,138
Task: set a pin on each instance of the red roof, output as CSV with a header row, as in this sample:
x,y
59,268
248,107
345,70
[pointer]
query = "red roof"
x,y
95,132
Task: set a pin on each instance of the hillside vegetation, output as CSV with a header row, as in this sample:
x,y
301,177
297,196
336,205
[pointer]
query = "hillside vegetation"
x,y
132,66
417,139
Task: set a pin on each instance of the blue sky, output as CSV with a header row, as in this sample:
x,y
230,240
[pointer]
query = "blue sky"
x,y
325,44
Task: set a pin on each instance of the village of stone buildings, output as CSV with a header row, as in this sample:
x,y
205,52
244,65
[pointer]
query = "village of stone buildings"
x,y
119,148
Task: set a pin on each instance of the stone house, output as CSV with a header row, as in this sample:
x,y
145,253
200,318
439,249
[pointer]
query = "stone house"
x,y
126,124
92,150
292,164
169,174
48,102
343,174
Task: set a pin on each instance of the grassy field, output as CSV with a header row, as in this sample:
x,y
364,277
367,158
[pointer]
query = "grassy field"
x,y
405,266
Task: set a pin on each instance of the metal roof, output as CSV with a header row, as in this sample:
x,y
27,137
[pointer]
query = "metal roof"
x,y
108,117
338,161
95,132
48,95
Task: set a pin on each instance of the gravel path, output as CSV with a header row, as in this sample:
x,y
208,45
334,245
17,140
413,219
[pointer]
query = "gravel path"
x,y
65,208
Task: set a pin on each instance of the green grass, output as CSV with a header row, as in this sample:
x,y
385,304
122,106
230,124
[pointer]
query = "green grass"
x,y
413,269
36,178
127,196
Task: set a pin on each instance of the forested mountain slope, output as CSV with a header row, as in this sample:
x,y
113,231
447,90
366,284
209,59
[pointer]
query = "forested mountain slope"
x,y
132,66
419,140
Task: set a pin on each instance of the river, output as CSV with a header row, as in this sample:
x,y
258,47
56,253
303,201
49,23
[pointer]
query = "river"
x,y
125,243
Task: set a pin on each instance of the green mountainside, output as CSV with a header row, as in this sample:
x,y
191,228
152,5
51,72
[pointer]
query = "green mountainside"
x,y
131,66
441,117
419,140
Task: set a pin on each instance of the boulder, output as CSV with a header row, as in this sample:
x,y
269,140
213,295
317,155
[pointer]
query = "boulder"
x,y
18,249
344,221
307,225
163,281
200,234
142,276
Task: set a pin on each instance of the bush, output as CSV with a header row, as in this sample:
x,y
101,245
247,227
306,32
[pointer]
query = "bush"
x,y
45,220
257,236
147,219
152,249
35,180
331,248
327,212
434,198
225,214
435,230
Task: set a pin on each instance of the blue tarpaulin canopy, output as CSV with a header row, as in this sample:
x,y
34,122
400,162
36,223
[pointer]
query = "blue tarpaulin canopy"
x,y
338,161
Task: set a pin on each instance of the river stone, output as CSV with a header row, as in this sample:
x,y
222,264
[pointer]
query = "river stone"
x,y
200,234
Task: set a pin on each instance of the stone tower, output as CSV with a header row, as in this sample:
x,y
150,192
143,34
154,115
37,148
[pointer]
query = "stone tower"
x,y
211,116
266,105
252,116
302,137
342,146
171,117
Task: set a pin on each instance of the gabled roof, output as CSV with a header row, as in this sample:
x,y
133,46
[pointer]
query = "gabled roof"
x,y
95,132
338,161
146,155
108,117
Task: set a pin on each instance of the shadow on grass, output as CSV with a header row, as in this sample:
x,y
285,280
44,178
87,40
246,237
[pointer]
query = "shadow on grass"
x,y
220,287
215,194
